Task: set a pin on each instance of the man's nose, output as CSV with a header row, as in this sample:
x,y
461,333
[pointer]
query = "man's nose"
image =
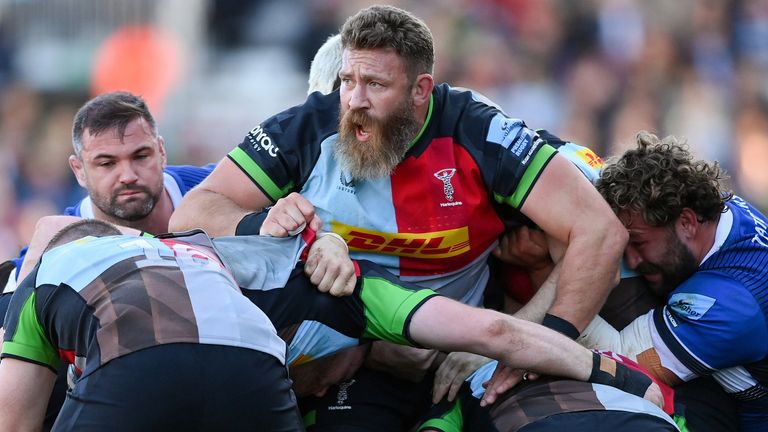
x,y
128,174
358,99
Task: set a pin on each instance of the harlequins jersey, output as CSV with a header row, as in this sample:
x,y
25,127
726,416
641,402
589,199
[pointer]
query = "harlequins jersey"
x,y
437,217
97,299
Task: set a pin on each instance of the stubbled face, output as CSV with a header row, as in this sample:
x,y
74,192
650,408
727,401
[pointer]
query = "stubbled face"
x,y
658,254
377,117
124,178
316,377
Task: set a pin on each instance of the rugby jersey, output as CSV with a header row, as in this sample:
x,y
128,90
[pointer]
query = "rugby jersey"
x,y
716,322
436,218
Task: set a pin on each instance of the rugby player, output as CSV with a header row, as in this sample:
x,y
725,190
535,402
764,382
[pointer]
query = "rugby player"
x,y
122,302
420,178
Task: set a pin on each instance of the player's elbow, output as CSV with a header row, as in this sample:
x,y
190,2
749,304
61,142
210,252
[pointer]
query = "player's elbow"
x,y
183,217
503,332
607,233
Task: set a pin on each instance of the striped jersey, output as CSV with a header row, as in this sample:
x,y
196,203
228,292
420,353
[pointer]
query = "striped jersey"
x,y
97,299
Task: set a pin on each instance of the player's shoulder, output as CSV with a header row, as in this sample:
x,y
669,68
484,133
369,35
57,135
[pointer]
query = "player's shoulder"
x,y
713,295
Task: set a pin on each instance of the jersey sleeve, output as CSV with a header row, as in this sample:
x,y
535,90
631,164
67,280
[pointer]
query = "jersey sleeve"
x,y
25,337
188,176
74,210
278,154
510,155
710,322
389,304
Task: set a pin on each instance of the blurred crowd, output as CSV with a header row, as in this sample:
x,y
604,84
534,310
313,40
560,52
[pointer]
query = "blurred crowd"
x,y
592,71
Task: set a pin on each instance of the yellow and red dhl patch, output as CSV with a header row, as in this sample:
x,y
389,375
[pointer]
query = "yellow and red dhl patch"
x,y
435,244
590,157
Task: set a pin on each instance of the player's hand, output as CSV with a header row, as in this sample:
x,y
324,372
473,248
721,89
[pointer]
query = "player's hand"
x,y
452,373
329,267
503,379
289,216
524,247
654,395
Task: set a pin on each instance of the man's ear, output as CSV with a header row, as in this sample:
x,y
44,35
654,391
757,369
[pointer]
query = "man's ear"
x,y
688,223
161,149
76,165
422,89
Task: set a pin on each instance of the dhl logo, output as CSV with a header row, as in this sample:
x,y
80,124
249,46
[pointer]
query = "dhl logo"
x,y
436,244
590,157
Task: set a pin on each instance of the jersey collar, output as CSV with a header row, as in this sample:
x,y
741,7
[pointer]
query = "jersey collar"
x,y
724,226
426,121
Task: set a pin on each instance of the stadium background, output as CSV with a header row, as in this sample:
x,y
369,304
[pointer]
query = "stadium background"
x,y
593,71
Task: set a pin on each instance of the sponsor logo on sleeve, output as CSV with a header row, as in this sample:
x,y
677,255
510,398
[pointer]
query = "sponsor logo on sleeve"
x,y
503,130
689,305
514,136
261,141
590,157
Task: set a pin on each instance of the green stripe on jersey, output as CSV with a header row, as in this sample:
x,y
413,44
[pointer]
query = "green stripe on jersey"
x,y
29,341
533,171
252,170
310,418
388,307
451,421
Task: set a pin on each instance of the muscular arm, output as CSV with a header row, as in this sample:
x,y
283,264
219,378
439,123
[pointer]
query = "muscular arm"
x,y
26,388
219,203
451,326
569,209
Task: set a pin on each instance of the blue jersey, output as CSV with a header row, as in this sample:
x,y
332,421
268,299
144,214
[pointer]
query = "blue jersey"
x,y
716,322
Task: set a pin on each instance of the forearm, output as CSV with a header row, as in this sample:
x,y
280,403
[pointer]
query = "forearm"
x,y
450,326
525,345
537,307
590,269
217,214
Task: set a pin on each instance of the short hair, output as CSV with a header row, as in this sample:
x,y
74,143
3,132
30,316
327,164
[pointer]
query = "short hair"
x,y
324,71
107,111
390,27
80,229
660,178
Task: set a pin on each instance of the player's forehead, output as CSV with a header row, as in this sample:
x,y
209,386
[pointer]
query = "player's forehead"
x,y
371,61
138,134
638,227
